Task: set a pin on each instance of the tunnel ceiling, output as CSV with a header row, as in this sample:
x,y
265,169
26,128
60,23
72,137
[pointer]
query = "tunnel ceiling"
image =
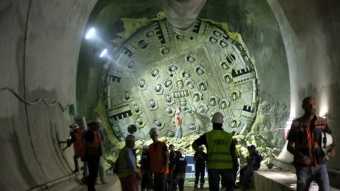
x,y
202,71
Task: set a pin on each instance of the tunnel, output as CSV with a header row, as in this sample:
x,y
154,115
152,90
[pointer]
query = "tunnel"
x,y
133,62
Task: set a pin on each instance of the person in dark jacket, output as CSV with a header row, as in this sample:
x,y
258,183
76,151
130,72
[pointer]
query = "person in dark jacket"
x,y
179,170
171,180
146,183
305,142
253,163
93,152
200,159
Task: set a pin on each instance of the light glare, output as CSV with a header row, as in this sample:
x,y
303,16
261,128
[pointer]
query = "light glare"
x,y
323,110
91,33
103,53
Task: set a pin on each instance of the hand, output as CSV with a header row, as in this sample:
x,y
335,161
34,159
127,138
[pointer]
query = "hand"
x,y
307,161
331,152
304,161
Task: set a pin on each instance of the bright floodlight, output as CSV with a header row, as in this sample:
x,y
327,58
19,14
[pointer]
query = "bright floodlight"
x,y
103,53
90,34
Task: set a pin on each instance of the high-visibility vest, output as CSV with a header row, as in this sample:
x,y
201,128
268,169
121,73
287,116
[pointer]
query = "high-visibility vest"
x,y
78,144
218,147
122,167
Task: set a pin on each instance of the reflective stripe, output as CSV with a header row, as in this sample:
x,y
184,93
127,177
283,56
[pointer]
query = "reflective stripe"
x,y
220,153
219,156
222,160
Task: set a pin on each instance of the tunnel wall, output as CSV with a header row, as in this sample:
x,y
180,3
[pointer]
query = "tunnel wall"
x,y
312,47
39,48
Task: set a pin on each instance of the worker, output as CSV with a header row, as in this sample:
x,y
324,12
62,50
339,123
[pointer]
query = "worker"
x,y
126,166
93,152
221,153
159,160
200,158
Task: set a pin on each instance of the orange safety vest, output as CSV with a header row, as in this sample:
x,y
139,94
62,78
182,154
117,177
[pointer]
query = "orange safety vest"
x,y
157,157
78,144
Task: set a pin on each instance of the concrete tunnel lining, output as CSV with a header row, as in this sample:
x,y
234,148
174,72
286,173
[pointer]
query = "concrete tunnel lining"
x,y
38,53
41,40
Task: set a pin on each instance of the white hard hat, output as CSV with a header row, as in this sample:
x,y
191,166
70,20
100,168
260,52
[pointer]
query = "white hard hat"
x,y
217,118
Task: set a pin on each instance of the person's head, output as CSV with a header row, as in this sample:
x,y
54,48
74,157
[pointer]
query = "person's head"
x,y
171,147
93,125
178,111
130,141
154,134
79,120
200,148
309,105
179,154
217,119
251,149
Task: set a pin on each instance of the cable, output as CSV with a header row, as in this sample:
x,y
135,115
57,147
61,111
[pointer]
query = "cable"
x,y
36,100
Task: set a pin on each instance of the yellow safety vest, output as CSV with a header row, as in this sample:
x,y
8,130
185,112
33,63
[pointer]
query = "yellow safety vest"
x,y
218,146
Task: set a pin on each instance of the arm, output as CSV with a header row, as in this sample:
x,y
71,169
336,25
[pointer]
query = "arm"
x,y
233,153
331,149
166,154
291,140
198,142
291,147
131,160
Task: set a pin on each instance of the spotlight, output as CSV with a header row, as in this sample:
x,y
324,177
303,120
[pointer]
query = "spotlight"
x,y
103,53
323,110
91,34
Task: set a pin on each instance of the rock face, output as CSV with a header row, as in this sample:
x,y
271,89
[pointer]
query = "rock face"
x,y
182,14
158,71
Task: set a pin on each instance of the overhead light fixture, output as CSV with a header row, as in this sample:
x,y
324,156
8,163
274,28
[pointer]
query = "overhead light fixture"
x,y
103,53
91,33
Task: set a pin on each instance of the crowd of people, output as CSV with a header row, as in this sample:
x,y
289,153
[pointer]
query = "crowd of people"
x,y
87,140
163,168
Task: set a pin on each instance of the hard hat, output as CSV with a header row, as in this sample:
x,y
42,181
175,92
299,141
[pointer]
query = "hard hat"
x,y
74,126
217,118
